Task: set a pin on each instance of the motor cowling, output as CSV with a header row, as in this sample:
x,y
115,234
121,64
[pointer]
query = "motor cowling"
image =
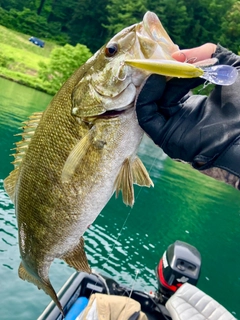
x,y
180,263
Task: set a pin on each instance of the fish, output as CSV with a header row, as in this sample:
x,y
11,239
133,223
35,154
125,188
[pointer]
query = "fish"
x,y
74,155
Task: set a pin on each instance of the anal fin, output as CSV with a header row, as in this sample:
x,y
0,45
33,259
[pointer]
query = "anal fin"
x,y
77,258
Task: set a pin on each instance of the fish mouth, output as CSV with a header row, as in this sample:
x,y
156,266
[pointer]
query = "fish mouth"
x,y
109,114
157,49
114,113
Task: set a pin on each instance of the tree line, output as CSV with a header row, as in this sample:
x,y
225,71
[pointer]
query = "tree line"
x,y
92,23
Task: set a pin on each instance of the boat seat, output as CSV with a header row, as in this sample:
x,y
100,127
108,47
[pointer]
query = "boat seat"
x,y
190,303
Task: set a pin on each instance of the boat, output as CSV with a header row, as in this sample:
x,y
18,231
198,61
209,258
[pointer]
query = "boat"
x,y
177,297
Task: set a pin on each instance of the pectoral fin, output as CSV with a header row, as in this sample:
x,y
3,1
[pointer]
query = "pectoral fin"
x,y
77,258
131,172
75,157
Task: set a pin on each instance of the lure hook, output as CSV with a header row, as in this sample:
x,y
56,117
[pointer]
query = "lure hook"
x,y
120,68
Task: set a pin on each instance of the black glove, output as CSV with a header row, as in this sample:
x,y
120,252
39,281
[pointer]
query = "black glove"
x,y
202,130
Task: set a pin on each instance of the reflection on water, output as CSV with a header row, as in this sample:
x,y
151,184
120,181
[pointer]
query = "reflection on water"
x,y
124,242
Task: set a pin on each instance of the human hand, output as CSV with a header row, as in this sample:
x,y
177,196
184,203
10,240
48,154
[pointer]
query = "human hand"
x,y
195,54
193,128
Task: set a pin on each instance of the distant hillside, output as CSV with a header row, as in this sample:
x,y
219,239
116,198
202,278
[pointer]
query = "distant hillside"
x,y
19,58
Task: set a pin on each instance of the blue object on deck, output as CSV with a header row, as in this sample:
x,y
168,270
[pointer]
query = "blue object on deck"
x,y
37,41
78,306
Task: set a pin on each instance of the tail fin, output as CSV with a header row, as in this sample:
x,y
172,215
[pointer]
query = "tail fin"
x,y
41,284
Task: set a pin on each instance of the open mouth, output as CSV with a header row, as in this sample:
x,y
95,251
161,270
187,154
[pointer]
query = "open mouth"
x,y
114,113
111,113
108,114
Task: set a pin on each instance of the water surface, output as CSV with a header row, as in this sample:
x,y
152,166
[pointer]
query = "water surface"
x,y
127,243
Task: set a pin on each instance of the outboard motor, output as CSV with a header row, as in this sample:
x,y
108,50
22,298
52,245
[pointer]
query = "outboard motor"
x,y
180,263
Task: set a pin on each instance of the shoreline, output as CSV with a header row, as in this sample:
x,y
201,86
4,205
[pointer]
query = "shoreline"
x,y
22,82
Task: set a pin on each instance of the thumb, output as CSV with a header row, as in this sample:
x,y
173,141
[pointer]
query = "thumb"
x,y
195,54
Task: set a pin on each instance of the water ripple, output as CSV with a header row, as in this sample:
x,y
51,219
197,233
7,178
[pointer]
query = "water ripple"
x,y
128,243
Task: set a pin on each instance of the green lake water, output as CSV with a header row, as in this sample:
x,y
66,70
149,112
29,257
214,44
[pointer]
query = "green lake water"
x,y
127,243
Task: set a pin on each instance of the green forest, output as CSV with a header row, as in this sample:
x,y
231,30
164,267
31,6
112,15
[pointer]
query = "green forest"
x,y
189,22
83,26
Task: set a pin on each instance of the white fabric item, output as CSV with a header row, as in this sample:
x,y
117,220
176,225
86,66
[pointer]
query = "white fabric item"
x,y
92,313
190,303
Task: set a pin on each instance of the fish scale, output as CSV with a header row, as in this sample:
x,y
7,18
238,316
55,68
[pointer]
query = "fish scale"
x,y
79,151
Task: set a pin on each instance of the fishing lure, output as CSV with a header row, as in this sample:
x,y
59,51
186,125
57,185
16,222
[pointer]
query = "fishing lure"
x,y
216,74
222,75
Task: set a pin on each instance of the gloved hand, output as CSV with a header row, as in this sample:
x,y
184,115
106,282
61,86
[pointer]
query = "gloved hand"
x,y
202,130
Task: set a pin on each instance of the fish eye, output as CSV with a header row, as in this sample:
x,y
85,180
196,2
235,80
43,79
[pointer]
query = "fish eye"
x,y
111,50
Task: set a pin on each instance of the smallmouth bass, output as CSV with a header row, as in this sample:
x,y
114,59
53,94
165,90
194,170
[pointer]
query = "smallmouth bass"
x,y
79,151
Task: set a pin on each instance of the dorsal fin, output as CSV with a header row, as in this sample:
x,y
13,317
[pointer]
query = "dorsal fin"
x,y
29,128
10,182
